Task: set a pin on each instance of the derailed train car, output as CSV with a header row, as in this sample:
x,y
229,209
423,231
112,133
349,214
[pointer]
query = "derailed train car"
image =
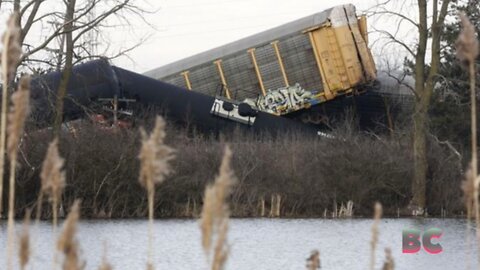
x,y
286,69
263,83
97,87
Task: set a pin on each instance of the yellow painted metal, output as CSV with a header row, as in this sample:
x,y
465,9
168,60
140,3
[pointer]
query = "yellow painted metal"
x,y
187,79
218,63
280,62
257,70
326,85
349,55
366,58
343,57
362,26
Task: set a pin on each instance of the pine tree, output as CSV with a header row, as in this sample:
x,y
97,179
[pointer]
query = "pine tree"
x,y
450,113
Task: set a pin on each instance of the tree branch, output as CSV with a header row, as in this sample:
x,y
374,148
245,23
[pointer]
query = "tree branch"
x,y
395,40
31,17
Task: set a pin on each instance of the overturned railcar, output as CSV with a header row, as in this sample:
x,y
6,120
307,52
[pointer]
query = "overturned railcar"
x,y
97,87
289,68
277,81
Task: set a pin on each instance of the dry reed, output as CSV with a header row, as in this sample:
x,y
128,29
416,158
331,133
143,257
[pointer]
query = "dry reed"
x,y
52,184
468,187
105,265
467,46
12,48
389,264
52,179
346,211
18,114
24,249
16,122
67,242
313,262
373,243
215,214
154,157
10,56
221,249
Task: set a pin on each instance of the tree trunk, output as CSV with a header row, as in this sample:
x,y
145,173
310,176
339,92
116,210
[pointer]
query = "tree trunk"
x,y
67,71
420,116
419,158
424,86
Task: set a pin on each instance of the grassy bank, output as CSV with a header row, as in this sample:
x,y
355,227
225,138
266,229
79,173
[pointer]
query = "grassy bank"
x,y
290,176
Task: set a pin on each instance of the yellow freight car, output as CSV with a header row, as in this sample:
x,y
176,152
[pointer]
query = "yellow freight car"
x,y
291,67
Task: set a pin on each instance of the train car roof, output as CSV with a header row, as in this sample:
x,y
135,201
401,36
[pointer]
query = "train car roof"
x,y
246,43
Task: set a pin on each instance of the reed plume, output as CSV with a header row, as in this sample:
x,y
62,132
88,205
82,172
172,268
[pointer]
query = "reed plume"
x,y
18,115
215,214
313,262
52,179
389,264
467,46
373,243
67,242
10,57
24,250
12,49
105,265
52,184
16,122
154,167
221,249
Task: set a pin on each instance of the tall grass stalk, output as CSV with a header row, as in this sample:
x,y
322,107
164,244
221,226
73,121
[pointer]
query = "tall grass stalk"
x,y
389,263
16,122
313,262
24,249
468,187
467,52
53,182
154,157
12,50
105,265
10,57
67,242
373,243
215,214
52,179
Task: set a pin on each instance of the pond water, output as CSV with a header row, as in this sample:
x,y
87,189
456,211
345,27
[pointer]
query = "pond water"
x,y
256,244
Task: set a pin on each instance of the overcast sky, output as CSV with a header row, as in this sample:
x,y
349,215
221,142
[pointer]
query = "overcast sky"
x,y
181,28
187,27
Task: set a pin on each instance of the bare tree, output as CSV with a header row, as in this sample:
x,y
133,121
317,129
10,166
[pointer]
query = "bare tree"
x,y
37,14
424,84
429,27
77,25
70,24
71,27
67,70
